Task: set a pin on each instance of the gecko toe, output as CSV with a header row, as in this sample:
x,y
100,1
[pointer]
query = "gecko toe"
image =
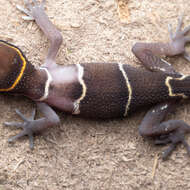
x,y
30,7
177,137
21,134
187,147
172,147
168,151
178,39
186,30
31,141
170,31
162,141
25,11
27,127
178,28
22,9
21,115
180,23
15,124
27,131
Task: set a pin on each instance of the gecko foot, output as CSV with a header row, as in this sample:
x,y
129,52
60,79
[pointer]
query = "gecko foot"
x,y
179,39
27,127
30,8
172,147
174,138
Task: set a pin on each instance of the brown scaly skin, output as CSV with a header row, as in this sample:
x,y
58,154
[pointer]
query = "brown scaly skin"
x,y
99,90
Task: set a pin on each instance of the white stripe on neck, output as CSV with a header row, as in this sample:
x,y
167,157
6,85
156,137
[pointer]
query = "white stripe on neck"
x,y
47,84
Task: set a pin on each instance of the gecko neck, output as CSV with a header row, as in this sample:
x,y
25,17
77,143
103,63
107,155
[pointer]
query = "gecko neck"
x,y
39,86
33,84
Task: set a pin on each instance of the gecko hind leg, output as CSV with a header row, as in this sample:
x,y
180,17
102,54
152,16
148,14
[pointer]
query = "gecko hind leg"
x,y
176,137
149,53
179,38
171,131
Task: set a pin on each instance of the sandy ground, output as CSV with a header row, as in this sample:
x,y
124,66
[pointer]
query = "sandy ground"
x,y
82,154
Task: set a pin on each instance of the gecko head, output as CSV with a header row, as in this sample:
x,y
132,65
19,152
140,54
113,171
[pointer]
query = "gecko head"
x,y
13,65
18,75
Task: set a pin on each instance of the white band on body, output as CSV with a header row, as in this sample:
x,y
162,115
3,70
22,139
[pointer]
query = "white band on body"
x,y
47,84
84,89
128,87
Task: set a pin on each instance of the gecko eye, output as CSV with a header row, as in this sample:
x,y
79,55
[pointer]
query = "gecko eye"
x,y
12,65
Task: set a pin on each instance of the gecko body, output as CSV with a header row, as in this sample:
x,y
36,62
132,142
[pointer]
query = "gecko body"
x,y
99,90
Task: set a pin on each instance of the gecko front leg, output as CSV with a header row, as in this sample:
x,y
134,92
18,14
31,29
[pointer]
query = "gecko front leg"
x,y
148,53
31,126
35,11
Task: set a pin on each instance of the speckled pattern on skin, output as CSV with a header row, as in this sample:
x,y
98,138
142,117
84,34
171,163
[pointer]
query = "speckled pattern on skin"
x,y
82,154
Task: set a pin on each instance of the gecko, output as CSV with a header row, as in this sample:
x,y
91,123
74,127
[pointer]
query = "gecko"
x,y
99,90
